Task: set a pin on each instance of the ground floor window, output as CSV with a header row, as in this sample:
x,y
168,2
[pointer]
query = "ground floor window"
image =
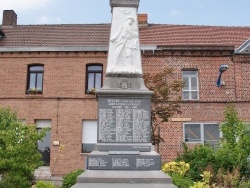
x,y
89,135
201,133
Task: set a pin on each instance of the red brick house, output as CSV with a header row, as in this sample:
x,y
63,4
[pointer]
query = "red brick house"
x,y
47,73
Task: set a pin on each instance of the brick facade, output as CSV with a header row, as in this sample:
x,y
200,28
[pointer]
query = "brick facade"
x,y
66,50
65,103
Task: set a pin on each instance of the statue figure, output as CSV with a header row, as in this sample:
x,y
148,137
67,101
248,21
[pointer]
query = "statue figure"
x,y
126,42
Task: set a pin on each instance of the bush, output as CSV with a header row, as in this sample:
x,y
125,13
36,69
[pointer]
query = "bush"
x,y
44,184
235,145
70,179
18,150
199,159
177,171
181,181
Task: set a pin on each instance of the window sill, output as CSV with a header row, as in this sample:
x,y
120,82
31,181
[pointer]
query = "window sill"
x,y
34,93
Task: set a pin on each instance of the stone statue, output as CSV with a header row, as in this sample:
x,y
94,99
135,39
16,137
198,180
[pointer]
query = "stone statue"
x,y
124,49
126,42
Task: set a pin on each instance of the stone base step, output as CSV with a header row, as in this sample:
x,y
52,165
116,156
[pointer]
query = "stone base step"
x,y
122,185
116,176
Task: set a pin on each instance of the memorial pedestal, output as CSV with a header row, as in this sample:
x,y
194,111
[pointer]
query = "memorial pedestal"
x,y
124,156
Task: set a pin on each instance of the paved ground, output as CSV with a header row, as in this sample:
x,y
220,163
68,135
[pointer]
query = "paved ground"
x,y
43,173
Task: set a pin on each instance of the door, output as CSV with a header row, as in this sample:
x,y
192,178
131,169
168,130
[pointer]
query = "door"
x,y
44,143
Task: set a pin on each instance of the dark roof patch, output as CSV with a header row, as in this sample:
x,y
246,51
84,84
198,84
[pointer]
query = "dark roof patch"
x,y
75,35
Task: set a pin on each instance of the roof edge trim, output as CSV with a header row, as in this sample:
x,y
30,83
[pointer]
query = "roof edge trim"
x,y
195,47
55,49
242,48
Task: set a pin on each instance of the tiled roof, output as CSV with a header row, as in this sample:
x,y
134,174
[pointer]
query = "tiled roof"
x,y
75,35
194,35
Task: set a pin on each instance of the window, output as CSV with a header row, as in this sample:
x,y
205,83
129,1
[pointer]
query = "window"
x,y
94,77
35,79
89,135
190,89
201,133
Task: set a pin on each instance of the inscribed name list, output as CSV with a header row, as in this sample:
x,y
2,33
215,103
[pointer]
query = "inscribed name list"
x,y
124,120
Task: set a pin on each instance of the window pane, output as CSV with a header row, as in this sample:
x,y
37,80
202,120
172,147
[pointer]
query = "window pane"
x,y
32,80
212,135
194,83
185,94
189,73
192,133
91,80
95,68
98,80
36,68
186,83
194,95
39,81
211,132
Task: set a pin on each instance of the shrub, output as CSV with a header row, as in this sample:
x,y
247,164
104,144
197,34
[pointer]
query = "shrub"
x,y
181,181
44,184
70,179
176,168
199,159
177,171
235,145
18,150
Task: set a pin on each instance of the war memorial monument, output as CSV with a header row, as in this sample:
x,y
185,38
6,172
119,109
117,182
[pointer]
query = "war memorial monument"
x,y
124,156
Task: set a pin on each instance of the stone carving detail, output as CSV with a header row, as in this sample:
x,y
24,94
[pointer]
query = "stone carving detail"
x,y
124,49
124,83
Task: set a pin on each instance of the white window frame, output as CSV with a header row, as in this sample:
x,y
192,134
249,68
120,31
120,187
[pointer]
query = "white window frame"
x,y
202,137
87,137
189,90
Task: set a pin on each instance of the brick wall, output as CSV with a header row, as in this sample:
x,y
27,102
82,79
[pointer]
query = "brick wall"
x,y
64,100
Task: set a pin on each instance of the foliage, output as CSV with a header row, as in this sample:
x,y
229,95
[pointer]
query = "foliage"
x,y
19,156
44,184
206,176
225,178
165,100
225,167
70,179
181,181
177,171
199,158
176,168
235,145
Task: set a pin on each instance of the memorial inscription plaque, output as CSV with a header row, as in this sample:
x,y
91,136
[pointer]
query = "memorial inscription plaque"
x,y
124,162
124,120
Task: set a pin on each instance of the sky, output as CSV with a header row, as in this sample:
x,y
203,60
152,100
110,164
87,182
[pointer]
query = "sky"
x,y
180,12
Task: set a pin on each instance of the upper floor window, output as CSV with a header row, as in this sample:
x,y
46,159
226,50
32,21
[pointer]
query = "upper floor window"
x,y
202,133
94,77
35,79
190,89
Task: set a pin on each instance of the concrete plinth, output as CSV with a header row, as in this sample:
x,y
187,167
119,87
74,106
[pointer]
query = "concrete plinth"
x,y
123,179
122,185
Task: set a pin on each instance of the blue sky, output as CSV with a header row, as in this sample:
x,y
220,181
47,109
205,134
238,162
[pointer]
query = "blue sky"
x,y
181,12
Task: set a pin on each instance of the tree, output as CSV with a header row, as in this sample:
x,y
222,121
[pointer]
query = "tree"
x,y
235,145
19,156
165,100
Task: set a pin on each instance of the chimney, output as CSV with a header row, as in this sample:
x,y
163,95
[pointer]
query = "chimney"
x,y
143,19
9,18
